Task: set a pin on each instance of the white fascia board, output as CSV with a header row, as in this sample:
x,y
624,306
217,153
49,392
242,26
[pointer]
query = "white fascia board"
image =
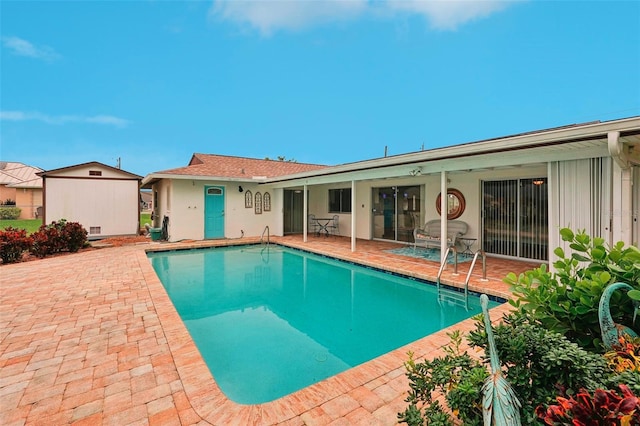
x,y
521,157
519,142
158,176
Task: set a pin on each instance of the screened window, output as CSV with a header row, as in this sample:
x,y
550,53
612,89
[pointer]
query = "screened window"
x,y
340,200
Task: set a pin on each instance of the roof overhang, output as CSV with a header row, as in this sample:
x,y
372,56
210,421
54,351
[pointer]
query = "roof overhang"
x,y
574,142
156,177
571,143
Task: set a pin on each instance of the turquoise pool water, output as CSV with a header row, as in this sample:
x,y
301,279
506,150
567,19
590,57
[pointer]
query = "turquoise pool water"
x,y
272,321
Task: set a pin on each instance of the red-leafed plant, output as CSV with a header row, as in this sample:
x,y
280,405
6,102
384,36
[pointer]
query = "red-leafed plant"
x,y
46,241
58,236
605,407
13,243
74,236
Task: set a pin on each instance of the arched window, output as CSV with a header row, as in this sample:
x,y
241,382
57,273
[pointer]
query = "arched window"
x,y
266,202
248,199
258,203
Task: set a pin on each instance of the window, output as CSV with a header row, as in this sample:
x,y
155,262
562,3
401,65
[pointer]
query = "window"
x,y
340,200
258,204
266,202
95,173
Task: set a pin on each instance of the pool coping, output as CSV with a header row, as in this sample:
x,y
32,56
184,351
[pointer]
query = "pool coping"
x,y
210,403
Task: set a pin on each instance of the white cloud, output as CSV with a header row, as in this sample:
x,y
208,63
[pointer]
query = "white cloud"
x,y
448,15
22,47
268,16
107,119
63,119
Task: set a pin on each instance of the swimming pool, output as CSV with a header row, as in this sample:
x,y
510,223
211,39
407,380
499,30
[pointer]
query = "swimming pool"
x,y
271,321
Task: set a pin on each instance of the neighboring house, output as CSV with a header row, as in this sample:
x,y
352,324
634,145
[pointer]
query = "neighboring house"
x,y
103,199
21,183
145,200
514,192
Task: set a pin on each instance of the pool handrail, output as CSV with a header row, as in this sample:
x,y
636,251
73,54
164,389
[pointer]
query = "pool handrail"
x,y
266,229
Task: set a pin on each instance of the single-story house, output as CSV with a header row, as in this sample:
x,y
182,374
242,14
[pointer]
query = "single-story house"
x,y
21,184
145,200
513,193
105,200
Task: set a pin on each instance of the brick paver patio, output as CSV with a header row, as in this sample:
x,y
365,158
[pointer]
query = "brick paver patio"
x,y
92,338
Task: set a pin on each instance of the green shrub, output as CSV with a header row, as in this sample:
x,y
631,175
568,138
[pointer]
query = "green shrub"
x,y
13,243
456,376
549,347
9,213
538,362
567,301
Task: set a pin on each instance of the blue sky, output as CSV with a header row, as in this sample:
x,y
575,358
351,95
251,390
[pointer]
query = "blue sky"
x,y
328,82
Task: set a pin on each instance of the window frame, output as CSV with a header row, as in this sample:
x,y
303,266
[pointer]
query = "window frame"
x,y
343,200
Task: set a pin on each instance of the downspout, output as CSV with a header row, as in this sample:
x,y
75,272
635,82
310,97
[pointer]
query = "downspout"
x,y
616,150
621,217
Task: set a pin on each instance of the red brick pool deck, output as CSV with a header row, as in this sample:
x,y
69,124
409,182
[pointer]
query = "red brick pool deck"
x,y
92,338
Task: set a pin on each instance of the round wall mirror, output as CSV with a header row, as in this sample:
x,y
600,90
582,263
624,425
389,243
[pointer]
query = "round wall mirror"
x,y
455,203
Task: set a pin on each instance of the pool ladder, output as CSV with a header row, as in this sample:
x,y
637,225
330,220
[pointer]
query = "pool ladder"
x,y
444,293
265,246
266,230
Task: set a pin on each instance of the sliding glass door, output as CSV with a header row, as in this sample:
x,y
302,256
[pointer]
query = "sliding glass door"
x,y
396,211
293,212
514,218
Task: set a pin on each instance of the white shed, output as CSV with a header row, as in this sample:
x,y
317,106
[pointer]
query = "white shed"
x,y
103,199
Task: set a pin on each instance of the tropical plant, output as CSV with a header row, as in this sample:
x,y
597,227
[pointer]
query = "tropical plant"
x,y
624,362
625,356
58,236
604,407
537,361
74,235
567,301
455,376
13,243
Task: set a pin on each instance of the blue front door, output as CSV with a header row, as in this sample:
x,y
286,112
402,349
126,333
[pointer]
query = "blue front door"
x,y
213,212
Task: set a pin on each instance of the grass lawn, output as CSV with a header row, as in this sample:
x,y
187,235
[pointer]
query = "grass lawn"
x,y
145,218
32,225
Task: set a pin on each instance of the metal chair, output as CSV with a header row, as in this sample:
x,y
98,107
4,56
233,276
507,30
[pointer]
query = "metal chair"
x,y
313,225
334,227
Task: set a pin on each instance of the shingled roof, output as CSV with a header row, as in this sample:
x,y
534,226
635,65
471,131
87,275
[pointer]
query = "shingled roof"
x,y
239,167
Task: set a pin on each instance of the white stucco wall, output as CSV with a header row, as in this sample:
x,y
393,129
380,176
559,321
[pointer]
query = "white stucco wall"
x,y
111,205
184,202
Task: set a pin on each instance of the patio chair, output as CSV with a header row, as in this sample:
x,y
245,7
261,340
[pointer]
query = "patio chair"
x,y
334,227
312,224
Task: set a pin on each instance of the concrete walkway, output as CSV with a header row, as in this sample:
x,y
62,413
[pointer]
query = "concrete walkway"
x,y
92,338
